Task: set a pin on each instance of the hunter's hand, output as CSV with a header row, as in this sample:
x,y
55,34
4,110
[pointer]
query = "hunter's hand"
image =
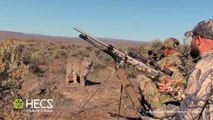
x,y
164,84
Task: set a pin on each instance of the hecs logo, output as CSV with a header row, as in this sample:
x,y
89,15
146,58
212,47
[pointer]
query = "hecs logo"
x,y
18,104
34,105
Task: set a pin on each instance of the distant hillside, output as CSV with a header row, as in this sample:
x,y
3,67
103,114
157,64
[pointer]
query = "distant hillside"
x,y
32,36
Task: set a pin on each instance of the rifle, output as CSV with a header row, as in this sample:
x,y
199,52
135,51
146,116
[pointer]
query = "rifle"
x,y
141,65
119,56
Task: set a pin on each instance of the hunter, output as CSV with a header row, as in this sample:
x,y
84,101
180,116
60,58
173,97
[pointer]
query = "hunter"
x,y
157,100
198,101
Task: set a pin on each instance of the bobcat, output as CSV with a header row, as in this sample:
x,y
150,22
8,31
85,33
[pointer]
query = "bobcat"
x,y
77,70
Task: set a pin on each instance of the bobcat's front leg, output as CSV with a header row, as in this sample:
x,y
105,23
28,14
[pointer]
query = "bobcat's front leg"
x,y
82,80
74,77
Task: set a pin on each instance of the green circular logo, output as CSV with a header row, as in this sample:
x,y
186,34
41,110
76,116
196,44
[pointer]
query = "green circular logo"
x,y
18,104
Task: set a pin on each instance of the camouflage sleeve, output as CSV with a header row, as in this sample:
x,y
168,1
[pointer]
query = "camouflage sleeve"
x,y
198,92
176,91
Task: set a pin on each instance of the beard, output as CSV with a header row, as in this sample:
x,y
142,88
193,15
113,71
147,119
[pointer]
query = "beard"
x,y
194,51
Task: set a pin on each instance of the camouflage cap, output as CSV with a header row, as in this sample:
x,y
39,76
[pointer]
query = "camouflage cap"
x,y
203,29
171,43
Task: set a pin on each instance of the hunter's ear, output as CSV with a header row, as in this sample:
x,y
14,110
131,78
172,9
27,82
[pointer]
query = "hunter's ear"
x,y
198,41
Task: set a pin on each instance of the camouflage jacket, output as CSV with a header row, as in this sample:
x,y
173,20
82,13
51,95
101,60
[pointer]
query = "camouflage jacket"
x,y
174,63
155,99
198,101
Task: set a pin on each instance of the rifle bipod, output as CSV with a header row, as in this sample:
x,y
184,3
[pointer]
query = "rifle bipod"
x,y
117,66
125,102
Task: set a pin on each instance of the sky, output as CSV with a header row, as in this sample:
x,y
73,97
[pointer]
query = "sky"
x,y
141,20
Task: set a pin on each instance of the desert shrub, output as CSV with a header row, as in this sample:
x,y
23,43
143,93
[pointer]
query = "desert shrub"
x,y
156,47
62,46
39,56
143,50
81,53
59,54
102,60
49,47
35,69
131,71
32,59
122,49
89,48
100,55
184,49
99,65
52,44
156,44
12,70
97,52
70,46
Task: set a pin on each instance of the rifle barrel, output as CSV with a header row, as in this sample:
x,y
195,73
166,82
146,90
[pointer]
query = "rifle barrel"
x,y
90,36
